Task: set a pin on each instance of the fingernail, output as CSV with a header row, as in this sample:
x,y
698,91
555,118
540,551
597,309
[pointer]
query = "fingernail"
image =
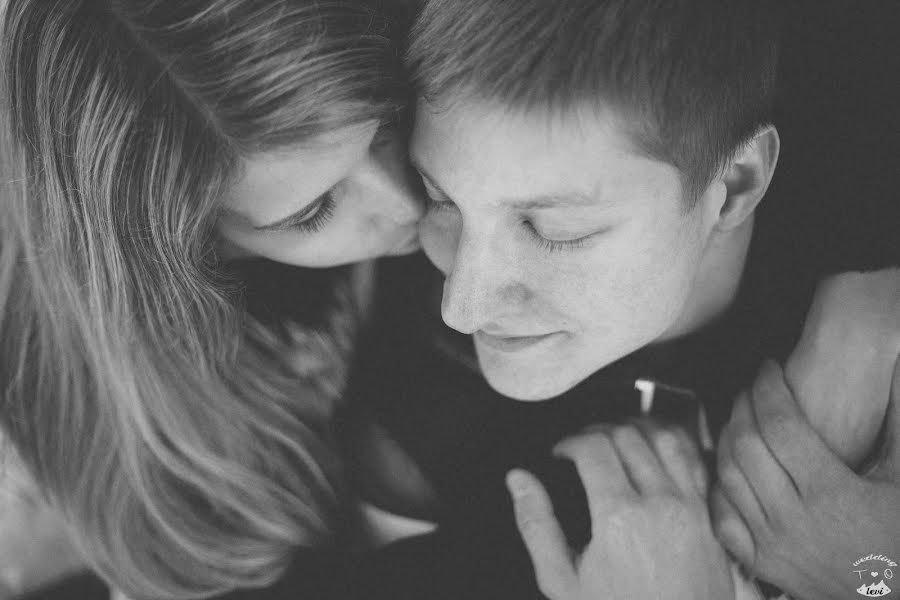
x,y
770,369
517,481
735,537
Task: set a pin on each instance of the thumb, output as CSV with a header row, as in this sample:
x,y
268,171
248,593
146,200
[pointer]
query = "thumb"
x,y
543,537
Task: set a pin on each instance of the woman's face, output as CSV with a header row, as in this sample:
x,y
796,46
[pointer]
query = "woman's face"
x,y
344,197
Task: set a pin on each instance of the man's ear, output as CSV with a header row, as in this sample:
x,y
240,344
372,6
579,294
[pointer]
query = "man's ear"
x,y
747,177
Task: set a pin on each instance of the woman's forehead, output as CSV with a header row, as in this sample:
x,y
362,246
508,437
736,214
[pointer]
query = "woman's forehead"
x,y
273,185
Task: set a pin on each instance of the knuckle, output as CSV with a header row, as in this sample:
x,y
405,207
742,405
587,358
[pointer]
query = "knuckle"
x,y
683,436
783,517
596,449
529,506
730,478
724,456
772,531
746,446
776,429
532,528
622,516
720,505
626,435
668,442
680,518
775,549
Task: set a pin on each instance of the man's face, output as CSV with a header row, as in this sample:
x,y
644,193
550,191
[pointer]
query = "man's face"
x,y
563,247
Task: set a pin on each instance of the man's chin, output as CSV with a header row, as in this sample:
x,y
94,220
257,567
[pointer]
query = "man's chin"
x,y
538,378
526,387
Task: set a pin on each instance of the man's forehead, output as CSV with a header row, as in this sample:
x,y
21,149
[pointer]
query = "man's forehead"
x,y
583,119
534,160
563,195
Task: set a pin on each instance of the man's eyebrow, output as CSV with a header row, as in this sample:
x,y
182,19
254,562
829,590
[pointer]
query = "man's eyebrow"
x,y
567,198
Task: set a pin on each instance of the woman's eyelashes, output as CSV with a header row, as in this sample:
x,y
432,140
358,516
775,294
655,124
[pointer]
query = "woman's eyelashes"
x,y
434,200
323,214
435,205
315,220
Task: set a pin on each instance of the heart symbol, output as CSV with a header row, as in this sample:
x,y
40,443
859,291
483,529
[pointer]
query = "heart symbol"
x,y
874,573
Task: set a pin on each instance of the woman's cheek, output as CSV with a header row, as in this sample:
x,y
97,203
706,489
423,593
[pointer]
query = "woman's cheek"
x,y
439,238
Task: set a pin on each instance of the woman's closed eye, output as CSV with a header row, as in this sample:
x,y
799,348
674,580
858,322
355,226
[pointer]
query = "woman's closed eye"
x,y
437,205
436,201
318,219
308,220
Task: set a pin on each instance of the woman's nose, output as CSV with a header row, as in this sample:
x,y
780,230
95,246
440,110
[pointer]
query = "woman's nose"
x,y
392,183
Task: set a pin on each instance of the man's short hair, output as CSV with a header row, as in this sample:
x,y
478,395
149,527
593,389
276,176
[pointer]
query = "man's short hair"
x,y
695,78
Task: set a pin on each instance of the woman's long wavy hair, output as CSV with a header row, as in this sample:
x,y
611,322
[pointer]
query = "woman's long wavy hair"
x,y
188,456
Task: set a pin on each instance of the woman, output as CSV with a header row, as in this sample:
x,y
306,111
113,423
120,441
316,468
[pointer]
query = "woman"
x,y
146,143
257,144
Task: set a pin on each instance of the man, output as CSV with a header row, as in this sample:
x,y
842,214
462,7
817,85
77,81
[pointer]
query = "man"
x,y
595,170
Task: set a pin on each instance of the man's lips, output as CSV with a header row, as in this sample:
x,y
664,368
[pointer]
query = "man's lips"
x,y
511,343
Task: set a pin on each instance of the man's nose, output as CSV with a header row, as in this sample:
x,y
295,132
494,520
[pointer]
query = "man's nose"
x,y
480,288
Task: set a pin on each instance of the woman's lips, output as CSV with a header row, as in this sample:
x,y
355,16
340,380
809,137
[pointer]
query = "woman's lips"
x,y
511,343
407,245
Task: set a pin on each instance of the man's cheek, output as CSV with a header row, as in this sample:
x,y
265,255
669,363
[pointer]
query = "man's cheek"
x,y
620,314
579,279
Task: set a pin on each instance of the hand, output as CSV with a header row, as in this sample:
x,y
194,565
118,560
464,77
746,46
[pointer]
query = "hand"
x,y
840,371
788,508
651,535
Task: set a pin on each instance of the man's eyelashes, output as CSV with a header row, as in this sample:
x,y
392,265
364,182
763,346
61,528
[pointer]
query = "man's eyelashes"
x,y
436,206
550,245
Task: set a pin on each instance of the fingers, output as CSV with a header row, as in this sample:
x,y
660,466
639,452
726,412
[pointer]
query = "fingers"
x,y
788,435
600,468
731,529
644,468
679,455
771,484
543,537
653,459
734,485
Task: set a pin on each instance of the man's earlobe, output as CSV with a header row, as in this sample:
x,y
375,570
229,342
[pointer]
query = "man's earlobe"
x,y
748,176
